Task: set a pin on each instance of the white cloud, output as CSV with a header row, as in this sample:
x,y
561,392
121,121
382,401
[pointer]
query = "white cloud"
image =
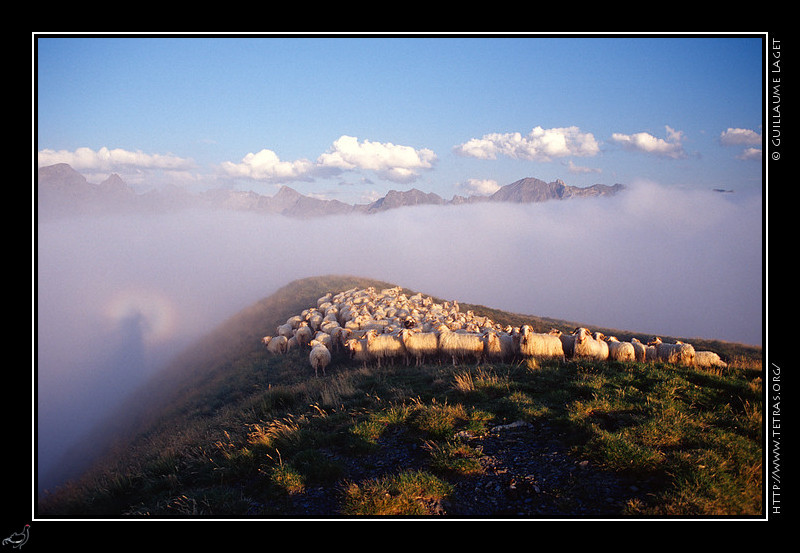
x,y
743,137
116,159
649,144
538,145
737,137
391,161
266,165
480,187
750,154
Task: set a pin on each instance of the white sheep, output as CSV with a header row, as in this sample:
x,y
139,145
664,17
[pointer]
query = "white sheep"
x,y
319,356
324,299
540,346
460,345
286,330
294,321
315,320
567,342
358,350
492,346
639,350
304,334
420,345
603,345
277,344
588,347
675,354
325,338
499,345
340,335
620,351
708,359
329,327
509,345
384,346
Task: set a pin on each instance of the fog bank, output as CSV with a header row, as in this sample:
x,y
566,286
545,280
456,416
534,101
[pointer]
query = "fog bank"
x,y
118,295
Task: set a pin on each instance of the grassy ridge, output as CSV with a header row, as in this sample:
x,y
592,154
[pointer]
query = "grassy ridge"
x,y
233,431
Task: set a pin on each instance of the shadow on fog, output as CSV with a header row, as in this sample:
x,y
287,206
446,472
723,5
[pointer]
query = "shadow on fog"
x,y
119,295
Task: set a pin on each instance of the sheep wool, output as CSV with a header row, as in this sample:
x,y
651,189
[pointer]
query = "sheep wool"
x,y
567,342
675,354
319,357
420,345
540,346
358,350
620,351
588,347
304,334
460,345
278,344
639,350
384,346
708,359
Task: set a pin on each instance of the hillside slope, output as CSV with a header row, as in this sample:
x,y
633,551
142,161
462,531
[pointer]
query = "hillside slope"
x,y
229,430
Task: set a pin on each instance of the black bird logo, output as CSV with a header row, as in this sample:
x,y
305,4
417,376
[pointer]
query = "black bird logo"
x,y
18,539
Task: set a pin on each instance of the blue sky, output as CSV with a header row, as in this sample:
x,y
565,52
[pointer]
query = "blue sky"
x,y
350,118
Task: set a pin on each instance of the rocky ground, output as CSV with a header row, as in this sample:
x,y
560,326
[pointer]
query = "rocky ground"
x,y
528,472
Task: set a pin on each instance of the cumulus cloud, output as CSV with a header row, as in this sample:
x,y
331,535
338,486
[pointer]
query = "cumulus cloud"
x,y
538,145
390,161
740,137
750,154
115,159
480,187
266,165
743,137
670,147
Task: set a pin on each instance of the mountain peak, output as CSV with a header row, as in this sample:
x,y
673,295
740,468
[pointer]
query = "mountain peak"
x,y
62,188
396,198
115,183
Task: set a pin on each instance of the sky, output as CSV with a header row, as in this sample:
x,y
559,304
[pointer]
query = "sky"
x,y
672,118
350,118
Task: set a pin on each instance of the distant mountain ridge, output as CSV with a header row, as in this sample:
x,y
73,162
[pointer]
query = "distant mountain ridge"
x,y
61,189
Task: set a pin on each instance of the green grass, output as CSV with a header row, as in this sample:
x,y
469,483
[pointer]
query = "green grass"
x,y
408,493
698,434
254,432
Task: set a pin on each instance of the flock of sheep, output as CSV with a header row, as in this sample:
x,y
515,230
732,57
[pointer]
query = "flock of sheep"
x,y
386,326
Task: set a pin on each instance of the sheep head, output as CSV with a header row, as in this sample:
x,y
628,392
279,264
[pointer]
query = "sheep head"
x,y
581,334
